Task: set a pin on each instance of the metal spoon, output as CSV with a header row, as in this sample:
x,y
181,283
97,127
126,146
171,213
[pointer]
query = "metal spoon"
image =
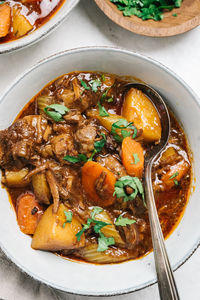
x,y
166,281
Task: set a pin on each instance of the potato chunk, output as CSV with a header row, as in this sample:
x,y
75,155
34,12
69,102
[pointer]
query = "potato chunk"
x,y
51,235
16,178
137,108
41,188
21,25
5,19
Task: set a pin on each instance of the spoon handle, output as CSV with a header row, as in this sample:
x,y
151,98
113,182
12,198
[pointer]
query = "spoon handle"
x,y
166,281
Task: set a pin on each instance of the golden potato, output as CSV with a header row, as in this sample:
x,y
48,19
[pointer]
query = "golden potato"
x,y
137,108
16,178
41,188
51,235
21,25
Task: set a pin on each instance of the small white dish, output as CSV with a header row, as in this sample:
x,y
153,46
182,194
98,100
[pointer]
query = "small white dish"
x,y
42,31
83,278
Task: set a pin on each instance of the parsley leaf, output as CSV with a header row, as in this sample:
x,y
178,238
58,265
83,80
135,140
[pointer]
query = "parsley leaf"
x,y
104,242
95,84
124,126
124,221
96,210
103,77
109,100
132,182
175,181
98,146
102,111
68,215
84,84
75,159
136,159
98,224
174,175
56,111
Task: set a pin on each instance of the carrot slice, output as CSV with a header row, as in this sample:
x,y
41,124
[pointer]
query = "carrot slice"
x,y
132,157
98,183
5,19
28,213
174,175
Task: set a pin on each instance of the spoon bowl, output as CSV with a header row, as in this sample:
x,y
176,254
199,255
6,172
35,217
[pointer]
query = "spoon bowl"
x,y
166,281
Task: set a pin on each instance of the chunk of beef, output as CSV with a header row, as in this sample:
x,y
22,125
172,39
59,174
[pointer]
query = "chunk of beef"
x,y
85,137
62,145
112,164
21,138
73,117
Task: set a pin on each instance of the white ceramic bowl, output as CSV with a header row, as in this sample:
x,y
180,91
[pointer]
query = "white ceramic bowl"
x,y
83,278
42,31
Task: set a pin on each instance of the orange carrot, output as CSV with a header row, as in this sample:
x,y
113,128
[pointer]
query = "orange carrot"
x,y
5,19
174,175
98,183
28,213
132,157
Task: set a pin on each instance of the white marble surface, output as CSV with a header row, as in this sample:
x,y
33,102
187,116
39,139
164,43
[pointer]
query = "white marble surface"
x,y
88,26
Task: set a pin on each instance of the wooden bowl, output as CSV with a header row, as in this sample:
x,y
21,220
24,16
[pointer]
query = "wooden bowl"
x,y
188,17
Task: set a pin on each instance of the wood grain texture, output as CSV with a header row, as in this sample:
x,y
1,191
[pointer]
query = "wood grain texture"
x,y
188,17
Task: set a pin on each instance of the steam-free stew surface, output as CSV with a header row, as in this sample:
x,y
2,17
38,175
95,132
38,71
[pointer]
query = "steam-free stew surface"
x,y
19,18
74,171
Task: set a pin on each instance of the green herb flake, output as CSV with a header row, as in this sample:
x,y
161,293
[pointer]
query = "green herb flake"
x,y
102,111
84,84
174,15
98,146
174,175
68,215
95,84
176,182
76,159
124,126
103,77
104,242
2,2
96,210
132,182
109,100
56,111
134,133
136,159
124,221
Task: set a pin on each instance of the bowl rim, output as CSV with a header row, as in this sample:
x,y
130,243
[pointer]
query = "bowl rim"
x,y
196,100
34,36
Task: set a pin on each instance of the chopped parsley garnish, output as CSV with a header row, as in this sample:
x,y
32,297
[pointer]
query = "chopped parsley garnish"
x,y
75,159
96,210
68,215
127,181
122,125
95,84
56,111
146,9
175,181
104,242
102,111
136,159
174,15
2,2
134,133
109,100
103,77
98,146
84,84
174,175
124,221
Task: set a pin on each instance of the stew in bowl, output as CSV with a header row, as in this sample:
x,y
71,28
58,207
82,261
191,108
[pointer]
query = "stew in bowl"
x,y
73,162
